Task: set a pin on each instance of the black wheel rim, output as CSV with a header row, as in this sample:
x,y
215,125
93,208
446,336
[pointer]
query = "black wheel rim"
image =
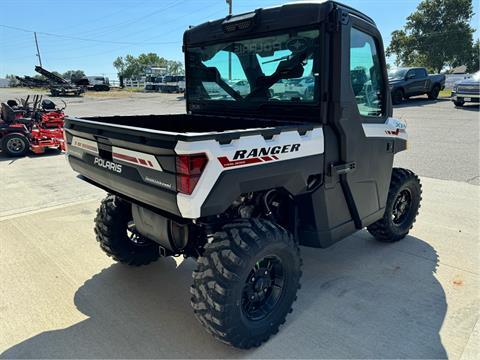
x,y
15,145
135,237
263,288
401,207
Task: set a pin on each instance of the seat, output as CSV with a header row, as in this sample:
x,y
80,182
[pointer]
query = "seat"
x,y
359,78
9,115
12,103
48,105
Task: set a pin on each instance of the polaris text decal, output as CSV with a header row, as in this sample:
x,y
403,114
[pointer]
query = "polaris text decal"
x,y
110,165
257,155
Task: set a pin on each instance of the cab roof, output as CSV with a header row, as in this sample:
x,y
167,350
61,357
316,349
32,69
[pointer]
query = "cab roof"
x,y
261,20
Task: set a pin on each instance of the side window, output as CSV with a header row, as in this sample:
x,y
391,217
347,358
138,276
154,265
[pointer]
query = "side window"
x,y
420,73
366,74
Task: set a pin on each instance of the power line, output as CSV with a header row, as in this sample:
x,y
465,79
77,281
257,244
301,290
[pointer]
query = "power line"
x,y
179,42
83,39
123,24
27,44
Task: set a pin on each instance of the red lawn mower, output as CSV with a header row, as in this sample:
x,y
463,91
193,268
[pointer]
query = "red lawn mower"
x,y
31,126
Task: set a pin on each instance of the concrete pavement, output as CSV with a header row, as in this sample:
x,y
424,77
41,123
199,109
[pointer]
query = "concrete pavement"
x,y
419,298
443,140
60,296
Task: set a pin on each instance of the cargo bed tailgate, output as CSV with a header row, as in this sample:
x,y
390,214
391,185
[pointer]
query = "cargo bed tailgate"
x,y
131,163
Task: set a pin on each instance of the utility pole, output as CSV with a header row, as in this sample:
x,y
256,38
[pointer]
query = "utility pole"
x,y
38,50
229,2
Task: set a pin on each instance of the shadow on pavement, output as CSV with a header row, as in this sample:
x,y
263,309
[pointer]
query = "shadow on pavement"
x,y
359,299
47,153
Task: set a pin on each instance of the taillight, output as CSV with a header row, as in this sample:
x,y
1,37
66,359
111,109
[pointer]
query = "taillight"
x,y
189,170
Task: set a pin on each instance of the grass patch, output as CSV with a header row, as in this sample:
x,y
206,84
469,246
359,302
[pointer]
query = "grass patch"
x,y
114,92
133,89
445,93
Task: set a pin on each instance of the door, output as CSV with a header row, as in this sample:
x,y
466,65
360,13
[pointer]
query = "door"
x,y
363,104
415,82
422,77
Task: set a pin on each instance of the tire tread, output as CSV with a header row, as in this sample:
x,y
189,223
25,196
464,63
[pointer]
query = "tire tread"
x,y
216,275
381,229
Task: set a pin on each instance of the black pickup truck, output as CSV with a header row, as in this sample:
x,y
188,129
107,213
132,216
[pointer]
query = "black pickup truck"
x,y
243,178
406,82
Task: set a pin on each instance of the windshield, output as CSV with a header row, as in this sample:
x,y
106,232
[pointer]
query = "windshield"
x,y
397,73
267,69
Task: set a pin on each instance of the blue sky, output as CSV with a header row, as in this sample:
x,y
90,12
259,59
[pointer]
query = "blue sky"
x,y
90,34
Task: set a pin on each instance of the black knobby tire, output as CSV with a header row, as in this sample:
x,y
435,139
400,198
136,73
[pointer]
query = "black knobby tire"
x,y
15,145
403,203
458,103
111,225
397,96
433,94
225,277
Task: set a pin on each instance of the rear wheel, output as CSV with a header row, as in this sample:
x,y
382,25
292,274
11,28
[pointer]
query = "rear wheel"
x,y
433,94
15,145
246,281
402,207
397,96
115,238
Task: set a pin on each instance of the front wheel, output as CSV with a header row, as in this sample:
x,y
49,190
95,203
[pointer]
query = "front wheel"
x,y
115,237
15,145
397,97
402,207
246,282
458,103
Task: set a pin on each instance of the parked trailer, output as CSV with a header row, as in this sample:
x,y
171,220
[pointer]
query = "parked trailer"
x,y
58,85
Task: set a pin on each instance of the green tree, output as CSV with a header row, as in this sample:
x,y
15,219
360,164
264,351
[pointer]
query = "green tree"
x,y
12,80
175,67
473,65
437,34
73,75
135,67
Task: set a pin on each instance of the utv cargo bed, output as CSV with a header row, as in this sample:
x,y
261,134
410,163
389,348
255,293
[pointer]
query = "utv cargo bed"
x,y
187,127
154,159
